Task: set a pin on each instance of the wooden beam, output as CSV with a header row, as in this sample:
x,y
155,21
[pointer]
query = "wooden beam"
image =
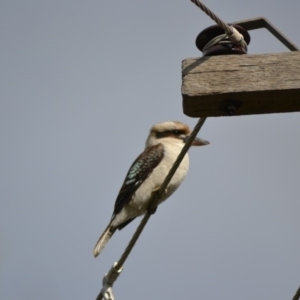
x,y
241,84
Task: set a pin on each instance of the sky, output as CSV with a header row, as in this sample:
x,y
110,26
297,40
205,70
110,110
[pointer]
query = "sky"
x,y
81,84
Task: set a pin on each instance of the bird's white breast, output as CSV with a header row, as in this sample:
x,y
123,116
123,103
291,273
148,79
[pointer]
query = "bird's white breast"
x,y
140,201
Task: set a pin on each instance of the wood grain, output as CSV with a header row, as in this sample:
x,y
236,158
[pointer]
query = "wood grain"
x,y
241,84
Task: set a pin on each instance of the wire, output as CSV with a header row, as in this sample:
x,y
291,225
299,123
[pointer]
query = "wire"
x,y
230,31
226,27
220,39
117,267
156,196
297,295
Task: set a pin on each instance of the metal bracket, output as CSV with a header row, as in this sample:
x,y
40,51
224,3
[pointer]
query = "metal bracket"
x,y
261,22
108,281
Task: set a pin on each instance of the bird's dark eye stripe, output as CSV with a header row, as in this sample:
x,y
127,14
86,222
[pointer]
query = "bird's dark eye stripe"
x,y
177,132
169,133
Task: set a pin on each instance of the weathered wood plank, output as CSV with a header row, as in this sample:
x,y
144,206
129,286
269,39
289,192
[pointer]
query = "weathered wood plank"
x,y
241,84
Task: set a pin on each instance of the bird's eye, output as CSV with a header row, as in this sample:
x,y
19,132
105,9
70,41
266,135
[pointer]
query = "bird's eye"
x,y
176,132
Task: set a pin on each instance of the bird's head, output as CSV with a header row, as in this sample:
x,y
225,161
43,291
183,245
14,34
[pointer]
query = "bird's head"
x,y
172,132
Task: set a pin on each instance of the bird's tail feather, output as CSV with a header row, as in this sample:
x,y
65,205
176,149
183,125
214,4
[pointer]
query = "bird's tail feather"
x,y
104,238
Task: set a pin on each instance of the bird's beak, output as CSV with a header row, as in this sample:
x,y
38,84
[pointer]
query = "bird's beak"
x,y
197,141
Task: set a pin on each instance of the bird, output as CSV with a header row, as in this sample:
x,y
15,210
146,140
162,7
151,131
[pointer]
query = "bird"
x,y
147,173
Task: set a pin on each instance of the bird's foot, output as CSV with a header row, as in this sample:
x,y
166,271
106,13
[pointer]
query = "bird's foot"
x,y
157,189
153,210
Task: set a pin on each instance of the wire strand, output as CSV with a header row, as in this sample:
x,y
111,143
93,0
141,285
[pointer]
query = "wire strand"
x,y
228,29
154,202
220,39
297,295
156,196
231,32
236,37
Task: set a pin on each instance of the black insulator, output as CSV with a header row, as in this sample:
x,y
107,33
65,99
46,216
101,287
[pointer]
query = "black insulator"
x,y
224,46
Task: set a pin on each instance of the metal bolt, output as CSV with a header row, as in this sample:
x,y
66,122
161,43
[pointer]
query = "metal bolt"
x,y
230,109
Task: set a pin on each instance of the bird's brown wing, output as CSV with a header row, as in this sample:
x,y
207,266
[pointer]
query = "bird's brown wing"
x,y
141,168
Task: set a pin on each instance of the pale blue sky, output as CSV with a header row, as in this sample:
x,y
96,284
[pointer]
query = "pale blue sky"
x,y
81,84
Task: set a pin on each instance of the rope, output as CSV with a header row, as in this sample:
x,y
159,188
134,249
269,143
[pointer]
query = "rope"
x,y
117,267
297,295
226,27
230,31
156,196
220,39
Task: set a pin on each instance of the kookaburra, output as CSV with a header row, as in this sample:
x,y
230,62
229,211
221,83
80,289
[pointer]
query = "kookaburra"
x,y
147,173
